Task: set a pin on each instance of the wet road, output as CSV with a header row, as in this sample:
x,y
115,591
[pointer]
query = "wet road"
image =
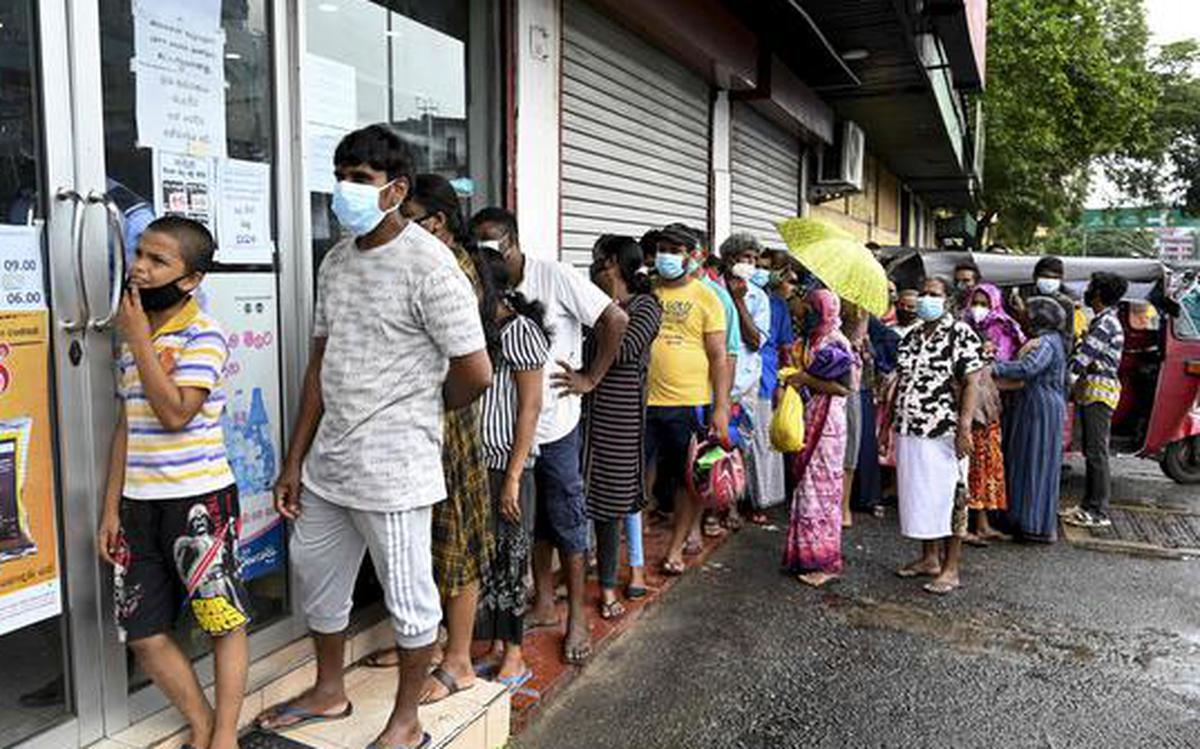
x,y
1045,647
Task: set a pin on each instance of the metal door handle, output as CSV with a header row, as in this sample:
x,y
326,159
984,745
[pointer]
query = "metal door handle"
x,y
79,323
115,241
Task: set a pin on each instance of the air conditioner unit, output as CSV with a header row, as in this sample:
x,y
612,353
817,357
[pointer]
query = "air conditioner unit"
x,y
840,165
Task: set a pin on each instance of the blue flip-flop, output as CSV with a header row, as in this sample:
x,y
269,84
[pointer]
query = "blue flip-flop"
x,y
514,683
426,740
303,717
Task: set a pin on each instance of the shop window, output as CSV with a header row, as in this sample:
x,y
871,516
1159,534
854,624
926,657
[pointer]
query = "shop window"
x,y
421,66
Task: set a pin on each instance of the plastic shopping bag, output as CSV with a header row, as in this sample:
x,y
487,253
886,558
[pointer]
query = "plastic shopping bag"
x,y
787,423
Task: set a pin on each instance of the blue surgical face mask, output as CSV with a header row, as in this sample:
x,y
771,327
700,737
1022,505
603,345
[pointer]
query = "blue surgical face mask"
x,y
668,266
357,206
761,277
930,308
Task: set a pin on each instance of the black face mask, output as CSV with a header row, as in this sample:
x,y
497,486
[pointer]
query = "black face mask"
x,y
158,298
497,269
904,317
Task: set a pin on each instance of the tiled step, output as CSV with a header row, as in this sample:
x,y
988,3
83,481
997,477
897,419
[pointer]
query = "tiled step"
x,y
477,718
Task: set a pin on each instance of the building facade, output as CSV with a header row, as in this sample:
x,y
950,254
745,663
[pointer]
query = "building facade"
x,y
585,116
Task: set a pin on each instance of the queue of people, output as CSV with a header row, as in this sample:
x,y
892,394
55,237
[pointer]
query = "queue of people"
x,y
470,413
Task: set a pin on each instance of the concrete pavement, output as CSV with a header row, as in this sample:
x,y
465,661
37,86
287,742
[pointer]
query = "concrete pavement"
x,y
1045,647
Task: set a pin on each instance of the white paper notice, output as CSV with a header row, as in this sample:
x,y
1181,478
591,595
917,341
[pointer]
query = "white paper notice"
x,y
318,167
244,213
22,286
179,64
185,186
330,92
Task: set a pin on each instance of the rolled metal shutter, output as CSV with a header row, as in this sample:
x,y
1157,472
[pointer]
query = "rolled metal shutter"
x,y
635,132
764,164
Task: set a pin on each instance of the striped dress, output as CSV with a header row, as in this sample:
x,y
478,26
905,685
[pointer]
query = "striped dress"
x,y
614,418
523,347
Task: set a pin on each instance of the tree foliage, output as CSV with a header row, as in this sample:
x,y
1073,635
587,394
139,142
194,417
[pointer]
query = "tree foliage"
x,y
1165,168
1105,242
1069,82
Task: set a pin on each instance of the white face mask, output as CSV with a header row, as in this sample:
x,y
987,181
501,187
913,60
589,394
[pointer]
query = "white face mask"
x,y
979,313
490,244
744,271
1048,285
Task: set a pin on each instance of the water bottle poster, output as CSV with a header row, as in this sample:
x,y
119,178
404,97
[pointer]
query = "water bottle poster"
x,y
246,305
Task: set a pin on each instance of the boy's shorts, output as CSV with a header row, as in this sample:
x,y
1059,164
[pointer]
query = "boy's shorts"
x,y
177,553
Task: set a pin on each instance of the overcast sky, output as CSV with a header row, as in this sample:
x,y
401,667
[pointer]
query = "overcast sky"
x,y
1172,20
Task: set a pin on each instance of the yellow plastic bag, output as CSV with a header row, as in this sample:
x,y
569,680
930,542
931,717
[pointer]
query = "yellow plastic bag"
x,y
787,423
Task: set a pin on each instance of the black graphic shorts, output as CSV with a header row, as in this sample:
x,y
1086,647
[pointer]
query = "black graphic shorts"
x,y
177,554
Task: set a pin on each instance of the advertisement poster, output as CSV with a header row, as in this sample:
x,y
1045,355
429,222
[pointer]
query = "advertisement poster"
x,y
245,304
179,67
244,213
29,582
22,282
185,186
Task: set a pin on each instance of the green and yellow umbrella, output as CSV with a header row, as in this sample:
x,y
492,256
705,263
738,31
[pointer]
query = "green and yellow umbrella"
x,y
844,264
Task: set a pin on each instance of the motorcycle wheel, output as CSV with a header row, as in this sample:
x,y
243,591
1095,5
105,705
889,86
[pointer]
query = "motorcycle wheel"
x,y
1181,461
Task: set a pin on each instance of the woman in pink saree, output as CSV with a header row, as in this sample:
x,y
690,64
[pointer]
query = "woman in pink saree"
x,y
813,548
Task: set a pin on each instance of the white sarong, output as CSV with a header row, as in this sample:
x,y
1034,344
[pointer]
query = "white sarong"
x,y
772,489
927,474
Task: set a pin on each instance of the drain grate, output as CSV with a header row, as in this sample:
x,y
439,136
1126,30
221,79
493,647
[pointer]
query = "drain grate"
x,y
1144,530
257,739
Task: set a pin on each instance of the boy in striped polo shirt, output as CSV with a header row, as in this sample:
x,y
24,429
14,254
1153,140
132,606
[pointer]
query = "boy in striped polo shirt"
x,y
1097,385
170,520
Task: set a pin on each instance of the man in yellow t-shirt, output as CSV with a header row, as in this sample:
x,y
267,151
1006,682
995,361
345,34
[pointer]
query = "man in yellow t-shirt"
x,y
688,374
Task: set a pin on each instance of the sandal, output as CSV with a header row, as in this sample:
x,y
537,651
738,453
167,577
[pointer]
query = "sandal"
x,y
977,541
376,659
732,523
712,528
673,569
303,717
611,610
758,518
634,592
426,742
577,655
912,570
694,547
940,588
443,677
514,683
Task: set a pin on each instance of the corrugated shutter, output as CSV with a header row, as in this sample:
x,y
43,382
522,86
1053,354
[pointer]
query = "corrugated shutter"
x,y
765,175
634,135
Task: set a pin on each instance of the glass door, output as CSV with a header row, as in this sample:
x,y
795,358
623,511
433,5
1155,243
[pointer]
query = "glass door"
x,y
152,108
184,90
48,584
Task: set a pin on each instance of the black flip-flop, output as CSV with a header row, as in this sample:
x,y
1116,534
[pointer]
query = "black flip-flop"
x,y
578,655
426,742
611,611
443,677
305,717
373,660
634,592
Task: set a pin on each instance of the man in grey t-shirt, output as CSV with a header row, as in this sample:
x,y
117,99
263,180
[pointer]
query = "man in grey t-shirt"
x,y
396,340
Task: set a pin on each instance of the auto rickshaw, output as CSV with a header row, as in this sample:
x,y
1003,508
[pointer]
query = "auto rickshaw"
x,y
1158,417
